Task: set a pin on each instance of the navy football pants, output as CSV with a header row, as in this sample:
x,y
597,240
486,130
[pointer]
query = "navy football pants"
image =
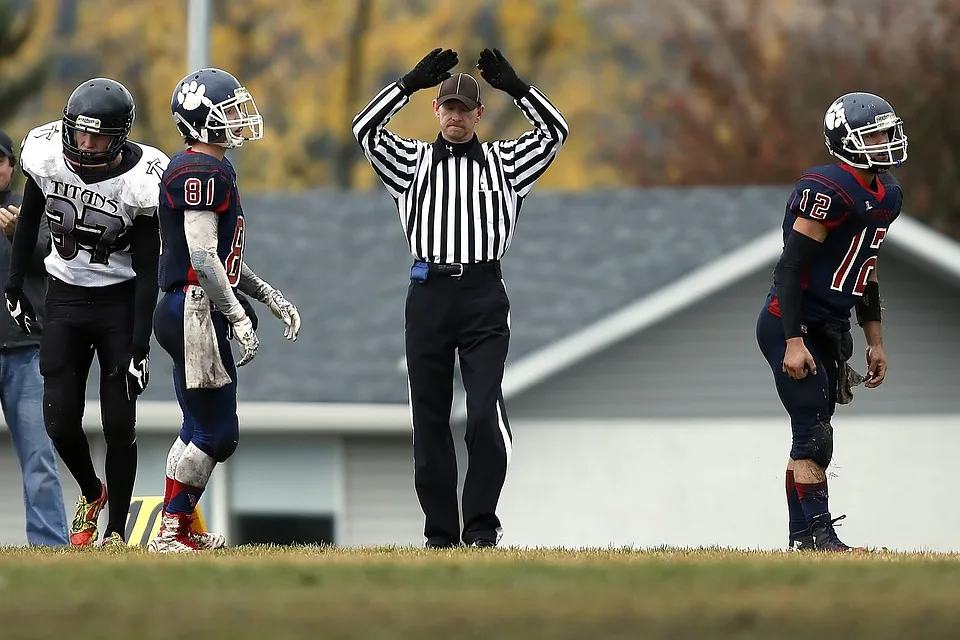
x,y
209,415
811,401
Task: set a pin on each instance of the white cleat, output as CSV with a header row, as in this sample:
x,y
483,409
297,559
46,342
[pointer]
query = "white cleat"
x,y
208,541
174,536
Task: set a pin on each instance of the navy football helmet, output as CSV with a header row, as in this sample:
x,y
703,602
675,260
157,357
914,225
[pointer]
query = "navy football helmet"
x,y
100,106
853,116
211,106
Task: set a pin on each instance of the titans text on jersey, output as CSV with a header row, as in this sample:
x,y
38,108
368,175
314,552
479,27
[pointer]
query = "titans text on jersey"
x,y
858,217
90,223
198,181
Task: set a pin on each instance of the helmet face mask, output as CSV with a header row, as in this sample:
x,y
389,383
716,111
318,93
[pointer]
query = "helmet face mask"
x,y
101,107
212,107
849,128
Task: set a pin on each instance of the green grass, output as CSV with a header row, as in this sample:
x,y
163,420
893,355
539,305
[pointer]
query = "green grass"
x,y
310,592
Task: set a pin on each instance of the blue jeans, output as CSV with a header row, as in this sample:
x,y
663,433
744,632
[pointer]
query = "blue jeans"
x,y
21,396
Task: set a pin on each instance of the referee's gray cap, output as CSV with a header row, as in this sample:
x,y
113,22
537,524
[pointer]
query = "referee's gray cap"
x,y
461,86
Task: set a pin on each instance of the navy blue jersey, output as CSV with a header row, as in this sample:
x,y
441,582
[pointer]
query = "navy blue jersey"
x,y
857,218
199,182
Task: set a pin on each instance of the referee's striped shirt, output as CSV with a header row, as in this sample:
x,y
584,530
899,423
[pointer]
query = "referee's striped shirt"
x,y
459,209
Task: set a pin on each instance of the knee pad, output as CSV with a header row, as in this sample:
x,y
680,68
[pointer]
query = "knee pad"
x,y
219,439
817,445
119,435
226,443
224,448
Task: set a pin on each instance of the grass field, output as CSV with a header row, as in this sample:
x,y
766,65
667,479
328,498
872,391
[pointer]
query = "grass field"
x,y
312,592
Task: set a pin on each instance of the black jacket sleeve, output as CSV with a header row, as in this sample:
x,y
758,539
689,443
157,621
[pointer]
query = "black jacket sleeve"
x,y
145,248
798,251
28,229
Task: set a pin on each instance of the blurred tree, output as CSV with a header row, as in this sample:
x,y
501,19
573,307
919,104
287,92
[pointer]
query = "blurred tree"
x,y
659,92
24,63
20,79
755,89
312,66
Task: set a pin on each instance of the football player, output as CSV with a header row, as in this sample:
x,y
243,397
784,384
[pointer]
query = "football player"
x,y
98,191
203,229
836,220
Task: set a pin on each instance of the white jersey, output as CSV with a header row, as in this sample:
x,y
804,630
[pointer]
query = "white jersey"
x,y
90,224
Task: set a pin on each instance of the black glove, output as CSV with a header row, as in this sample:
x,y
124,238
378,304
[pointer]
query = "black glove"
x,y
21,310
248,309
498,73
431,71
136,372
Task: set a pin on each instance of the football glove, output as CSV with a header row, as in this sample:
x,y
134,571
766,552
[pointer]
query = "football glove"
x,y
498,73
431,71
284,311
246,337
137,375
21,310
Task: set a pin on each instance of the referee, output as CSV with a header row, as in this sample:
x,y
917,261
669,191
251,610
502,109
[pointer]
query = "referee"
x,y
459,200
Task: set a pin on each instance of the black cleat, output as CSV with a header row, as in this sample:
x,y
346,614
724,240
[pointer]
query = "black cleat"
x,y
482,543
801,541
825,536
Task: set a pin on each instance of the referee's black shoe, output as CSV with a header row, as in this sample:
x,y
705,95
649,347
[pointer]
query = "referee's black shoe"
x,y
436,543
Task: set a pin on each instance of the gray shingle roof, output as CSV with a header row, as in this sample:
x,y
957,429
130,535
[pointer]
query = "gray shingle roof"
x,y
341,258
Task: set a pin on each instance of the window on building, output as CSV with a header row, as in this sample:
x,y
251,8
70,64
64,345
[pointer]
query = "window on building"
x,y
282,529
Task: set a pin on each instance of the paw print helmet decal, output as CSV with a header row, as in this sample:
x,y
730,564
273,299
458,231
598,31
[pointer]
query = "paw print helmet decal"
x,y
855,116
210,105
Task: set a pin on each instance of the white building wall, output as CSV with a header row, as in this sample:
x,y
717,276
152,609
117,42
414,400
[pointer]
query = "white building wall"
x,y
691,483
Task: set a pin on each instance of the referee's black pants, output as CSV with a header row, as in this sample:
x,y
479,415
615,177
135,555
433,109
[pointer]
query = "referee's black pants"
x,y
468,315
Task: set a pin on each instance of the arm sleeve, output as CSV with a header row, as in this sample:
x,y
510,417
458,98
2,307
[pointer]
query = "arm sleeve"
x,y
41,250
200,228
527,157
28,230
145,249
253,285
798,251
394,159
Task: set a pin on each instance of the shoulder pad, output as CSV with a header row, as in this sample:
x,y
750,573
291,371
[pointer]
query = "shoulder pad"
x,y
198,182
819,195
141,183
41,152
144,178
889,181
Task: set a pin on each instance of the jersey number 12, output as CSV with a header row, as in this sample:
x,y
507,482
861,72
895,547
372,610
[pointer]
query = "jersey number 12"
x,y
849,259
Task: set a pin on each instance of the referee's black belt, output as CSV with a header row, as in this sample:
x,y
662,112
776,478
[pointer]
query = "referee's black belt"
x,y
458,269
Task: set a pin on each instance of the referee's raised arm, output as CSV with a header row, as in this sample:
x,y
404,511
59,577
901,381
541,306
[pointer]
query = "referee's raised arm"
x,y
392,157
527,157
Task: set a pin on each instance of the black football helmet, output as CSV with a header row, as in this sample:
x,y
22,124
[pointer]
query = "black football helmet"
x,y
102,106
211,106
855,115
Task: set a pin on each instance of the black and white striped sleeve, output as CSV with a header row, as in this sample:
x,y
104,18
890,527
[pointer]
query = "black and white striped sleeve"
x,y
393,158
526,158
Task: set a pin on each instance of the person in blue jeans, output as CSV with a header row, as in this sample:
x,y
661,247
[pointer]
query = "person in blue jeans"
x,y
21,386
